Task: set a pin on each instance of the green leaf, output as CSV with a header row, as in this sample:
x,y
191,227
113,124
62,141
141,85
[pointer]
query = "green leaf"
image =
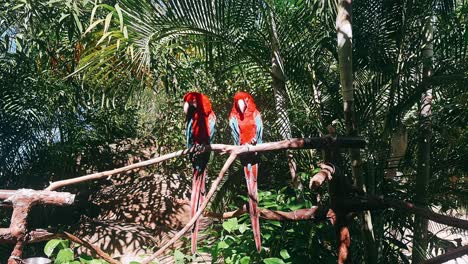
x,y
245,260
275,223
107,22
223,245
284,254
78,23
64,256
119,13
85,259
52,244
273,261
231,225
97,261
242,228
179,257
94,24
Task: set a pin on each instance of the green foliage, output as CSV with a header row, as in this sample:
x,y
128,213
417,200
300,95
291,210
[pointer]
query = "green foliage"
x,y
283,242
62,253
87,74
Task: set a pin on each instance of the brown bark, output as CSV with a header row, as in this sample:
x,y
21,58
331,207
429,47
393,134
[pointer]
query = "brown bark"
x,y
22,201
345,63
420,240
313,213
324,174
293,143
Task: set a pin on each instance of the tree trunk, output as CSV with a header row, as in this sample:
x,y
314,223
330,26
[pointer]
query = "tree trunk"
x,y
279,89
424,145
345,61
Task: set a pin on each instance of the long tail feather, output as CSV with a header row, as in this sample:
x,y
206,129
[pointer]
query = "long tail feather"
x,y
197,197
251,173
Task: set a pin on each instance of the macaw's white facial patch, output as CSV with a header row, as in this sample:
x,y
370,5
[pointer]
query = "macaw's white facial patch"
x,y
186,107
242,105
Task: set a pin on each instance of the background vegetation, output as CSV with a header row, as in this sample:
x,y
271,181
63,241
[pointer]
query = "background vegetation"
x,y
80,75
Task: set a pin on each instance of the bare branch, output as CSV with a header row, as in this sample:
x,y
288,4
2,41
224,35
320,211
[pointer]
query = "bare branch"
x,y
453,254
297,215
375,202
293,143
90,246
313,213
210,194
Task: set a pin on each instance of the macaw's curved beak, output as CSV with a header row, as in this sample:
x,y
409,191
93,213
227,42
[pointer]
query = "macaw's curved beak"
x,y
186,107
242,105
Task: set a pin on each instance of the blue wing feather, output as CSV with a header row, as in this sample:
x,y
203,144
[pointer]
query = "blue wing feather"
x,y
259,128
235,130
189,133
212,123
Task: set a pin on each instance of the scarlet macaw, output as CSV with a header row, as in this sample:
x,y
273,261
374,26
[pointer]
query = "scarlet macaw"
x,y
247,128
200,127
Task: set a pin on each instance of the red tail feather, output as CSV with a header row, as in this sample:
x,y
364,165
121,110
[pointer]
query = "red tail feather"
x,y
251,178
197,198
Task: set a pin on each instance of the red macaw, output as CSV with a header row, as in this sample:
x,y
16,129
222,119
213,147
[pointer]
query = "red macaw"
x,y
200,127
247,128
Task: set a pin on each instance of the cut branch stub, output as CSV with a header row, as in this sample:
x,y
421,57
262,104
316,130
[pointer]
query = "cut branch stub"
x,y
327,169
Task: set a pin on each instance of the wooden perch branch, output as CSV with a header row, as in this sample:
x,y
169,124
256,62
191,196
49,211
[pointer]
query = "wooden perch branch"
x,y
90,246
375,202
210,194
297,215
453,254
293,143
22,201
327,169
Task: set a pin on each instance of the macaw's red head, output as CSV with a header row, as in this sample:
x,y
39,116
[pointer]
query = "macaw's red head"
x,y
197,102
243,104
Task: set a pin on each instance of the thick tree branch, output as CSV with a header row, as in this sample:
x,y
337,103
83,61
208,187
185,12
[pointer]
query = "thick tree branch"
x,y
22,201
293,143
313,213
453,254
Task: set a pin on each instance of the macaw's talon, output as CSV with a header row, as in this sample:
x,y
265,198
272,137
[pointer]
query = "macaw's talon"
x,y
199,148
